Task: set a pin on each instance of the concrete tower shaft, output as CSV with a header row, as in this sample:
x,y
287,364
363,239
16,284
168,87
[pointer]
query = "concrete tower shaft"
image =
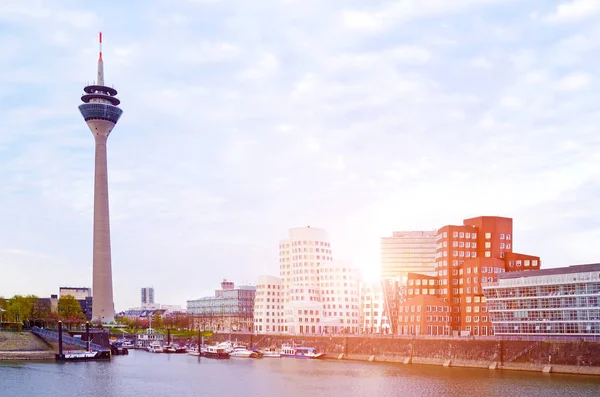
x,y
101,114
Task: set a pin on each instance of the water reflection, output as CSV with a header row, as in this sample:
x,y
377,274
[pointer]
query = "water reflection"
x,y
146,374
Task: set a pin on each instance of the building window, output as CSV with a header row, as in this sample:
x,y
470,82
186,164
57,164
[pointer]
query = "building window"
x,y
501,246
473,236
488,254
488,244
488,236
501,236
461,235
467,235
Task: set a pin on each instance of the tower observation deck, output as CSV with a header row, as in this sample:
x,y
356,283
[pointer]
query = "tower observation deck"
x,y
100,112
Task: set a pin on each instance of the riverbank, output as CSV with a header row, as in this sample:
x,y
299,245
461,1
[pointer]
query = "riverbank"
x,y
569,357
18,346
558,369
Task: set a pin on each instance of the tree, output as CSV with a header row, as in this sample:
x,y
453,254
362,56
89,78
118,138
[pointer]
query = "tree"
x,y
157,321
69,307
70,310
19,308
39,309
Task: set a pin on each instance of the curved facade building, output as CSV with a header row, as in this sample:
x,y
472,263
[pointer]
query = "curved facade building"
x,y
268,305
339,298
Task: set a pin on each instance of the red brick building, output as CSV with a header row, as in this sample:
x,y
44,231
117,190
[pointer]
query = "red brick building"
x,y
452,302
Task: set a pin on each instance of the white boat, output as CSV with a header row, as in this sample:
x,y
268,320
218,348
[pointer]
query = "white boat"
x,y
194,351
216,352
155,347
293,351
80,355
127,344
271,353
243,352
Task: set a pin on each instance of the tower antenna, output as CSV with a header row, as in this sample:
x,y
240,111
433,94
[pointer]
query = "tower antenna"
x,y
100,62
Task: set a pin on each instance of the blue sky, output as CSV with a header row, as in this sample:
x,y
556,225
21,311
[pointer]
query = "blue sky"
x,y
245,118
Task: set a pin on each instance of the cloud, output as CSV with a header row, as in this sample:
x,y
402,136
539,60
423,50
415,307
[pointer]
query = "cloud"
x,y
573,11
243,119
574,82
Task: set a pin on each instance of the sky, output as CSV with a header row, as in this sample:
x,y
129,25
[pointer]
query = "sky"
x,y
243,119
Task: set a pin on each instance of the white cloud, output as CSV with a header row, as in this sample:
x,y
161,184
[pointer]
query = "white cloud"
x,y
573,11
574,82
481,62
244,119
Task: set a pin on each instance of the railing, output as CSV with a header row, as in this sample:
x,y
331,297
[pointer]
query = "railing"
x,y
44,333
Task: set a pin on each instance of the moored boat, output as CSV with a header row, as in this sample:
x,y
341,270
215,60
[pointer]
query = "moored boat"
x,y
243,352
271,353
216,351
293,351
154,347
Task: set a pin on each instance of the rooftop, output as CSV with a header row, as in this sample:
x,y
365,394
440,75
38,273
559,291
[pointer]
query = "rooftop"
x,y
592,267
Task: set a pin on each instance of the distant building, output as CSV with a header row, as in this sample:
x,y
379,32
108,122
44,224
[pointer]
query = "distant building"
x,y
83,295
373,316
467,256
559,301
231,309
320,294
79,293
147,296
268,305
408,252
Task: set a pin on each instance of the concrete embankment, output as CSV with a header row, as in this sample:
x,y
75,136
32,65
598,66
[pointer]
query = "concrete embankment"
x,y
24,346
573,357
28,346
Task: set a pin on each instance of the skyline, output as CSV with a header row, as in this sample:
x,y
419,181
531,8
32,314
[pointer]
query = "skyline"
x,y
246,120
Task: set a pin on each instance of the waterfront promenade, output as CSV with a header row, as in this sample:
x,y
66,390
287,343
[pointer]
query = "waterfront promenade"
x,y
561,356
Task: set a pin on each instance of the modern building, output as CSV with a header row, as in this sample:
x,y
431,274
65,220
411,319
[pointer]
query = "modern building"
x,y
373,317
467,256
79,293
147,296
83,295
340,298
230,309
268,306
320,295
100,112
408,252
559,301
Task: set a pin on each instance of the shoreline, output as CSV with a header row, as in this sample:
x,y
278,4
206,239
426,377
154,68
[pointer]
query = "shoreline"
x,y
47,356
492,366
42,355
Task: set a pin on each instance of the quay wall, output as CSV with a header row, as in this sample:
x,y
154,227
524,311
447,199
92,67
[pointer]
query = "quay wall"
x,y
548,356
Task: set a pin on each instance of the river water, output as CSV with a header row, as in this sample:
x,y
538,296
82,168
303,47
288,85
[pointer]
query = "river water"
x,y
146,375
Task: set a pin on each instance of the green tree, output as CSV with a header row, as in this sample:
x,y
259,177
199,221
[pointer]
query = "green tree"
x,y
19,308
70,310
69,307
39,309
157,321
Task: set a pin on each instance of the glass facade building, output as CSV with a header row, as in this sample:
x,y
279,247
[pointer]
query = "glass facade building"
x,y
231,309
559,301
408,252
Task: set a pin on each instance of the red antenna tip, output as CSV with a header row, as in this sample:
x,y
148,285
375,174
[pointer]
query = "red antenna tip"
x,y
100,41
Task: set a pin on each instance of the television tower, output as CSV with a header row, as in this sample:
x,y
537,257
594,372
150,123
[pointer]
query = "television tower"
x,y
100,112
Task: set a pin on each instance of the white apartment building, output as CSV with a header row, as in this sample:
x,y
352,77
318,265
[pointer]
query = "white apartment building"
x,y
373,318
318,294
339,298
268,305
